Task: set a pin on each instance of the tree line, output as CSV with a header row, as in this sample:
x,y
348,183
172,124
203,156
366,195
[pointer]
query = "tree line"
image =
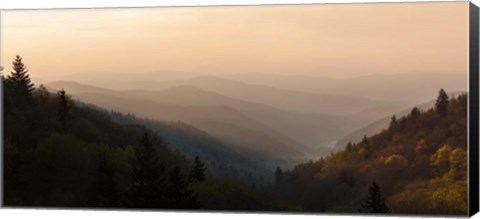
x,y
60,152
41,127
417,165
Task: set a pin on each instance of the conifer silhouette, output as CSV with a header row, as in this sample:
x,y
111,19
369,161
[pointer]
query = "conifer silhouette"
x,y
64,106
103,190
178,194
198,171
441,106
147,188
19,81
374,202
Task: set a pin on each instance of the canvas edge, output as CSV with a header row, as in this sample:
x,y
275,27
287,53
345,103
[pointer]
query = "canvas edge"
x,y
1,118
473,116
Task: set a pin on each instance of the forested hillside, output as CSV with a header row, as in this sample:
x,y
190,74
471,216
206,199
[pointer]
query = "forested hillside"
x,y
64,153
221,160
419,164
61,153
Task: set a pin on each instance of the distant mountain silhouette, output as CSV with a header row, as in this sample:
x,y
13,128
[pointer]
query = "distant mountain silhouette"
x,y
290,100
409,88
311,131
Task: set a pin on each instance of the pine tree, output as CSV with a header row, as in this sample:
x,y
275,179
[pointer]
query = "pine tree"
x,y
441,106
278,175
374,202
364,140
349,147
147,187
179,196
19,80
415,112
103,191
65,104
197,173
393,121
42,94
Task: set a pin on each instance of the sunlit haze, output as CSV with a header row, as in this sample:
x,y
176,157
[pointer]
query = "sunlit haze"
x,y
335,40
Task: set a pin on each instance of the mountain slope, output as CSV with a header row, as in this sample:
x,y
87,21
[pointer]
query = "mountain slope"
x,y
419,163
283,99
313,131
223,122
220,159
379,125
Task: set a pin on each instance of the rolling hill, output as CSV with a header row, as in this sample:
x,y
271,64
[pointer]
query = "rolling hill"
x,y
408,88
313,132
284,99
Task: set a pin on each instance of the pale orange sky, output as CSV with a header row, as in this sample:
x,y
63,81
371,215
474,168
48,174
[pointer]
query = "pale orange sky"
x,y
336,40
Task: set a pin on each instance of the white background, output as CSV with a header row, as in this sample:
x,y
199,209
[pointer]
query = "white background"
x,y
74,214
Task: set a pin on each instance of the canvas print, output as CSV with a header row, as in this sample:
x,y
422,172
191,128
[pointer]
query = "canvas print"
x,y
321,108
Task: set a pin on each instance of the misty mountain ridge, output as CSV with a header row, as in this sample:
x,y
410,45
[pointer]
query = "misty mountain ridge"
x,y
225,123
408,88
321,128
310,121
403,89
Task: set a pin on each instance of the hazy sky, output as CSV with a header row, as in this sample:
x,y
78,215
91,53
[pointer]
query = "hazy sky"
x,y
328,40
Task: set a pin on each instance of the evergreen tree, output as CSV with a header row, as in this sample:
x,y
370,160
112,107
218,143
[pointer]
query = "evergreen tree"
x,y
374,202
65,104
393,121
415,112
198,171
147,187
278,175
103,191
42,94
364,140
179,196
349,147
441,106
19,81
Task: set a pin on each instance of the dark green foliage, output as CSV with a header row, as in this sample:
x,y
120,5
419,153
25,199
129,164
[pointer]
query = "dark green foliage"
x,y
197,173
61,154
65,104
218,157
374,202
20,82
179,195
147,187
104,191
441,106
